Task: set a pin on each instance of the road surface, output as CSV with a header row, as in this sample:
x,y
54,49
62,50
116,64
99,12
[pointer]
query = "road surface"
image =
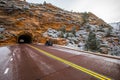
x,y
39,62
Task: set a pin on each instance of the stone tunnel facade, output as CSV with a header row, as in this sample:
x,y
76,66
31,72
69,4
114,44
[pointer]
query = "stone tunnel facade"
x,y
25,37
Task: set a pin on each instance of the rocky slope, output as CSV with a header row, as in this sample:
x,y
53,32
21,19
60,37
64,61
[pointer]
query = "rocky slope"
x,y
44,21
115,25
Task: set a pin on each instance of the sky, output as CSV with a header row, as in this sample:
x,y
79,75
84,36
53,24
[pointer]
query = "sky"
x,y
108,10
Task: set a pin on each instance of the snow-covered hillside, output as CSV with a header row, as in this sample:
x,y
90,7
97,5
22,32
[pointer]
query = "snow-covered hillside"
x,y
116,25
107,41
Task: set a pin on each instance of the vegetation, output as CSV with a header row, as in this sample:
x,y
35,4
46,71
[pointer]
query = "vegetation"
x,y
61,34
73,30
109,31
44,3
1,36
92,42
63,29
85,18
115,50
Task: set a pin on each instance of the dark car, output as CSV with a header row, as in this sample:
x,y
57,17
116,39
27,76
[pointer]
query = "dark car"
x,y
49,43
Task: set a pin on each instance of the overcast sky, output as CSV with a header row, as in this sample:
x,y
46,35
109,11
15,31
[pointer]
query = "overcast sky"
x,y
108,10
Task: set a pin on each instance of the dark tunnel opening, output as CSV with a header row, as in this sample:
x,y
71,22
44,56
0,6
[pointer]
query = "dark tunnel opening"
x,y
24,39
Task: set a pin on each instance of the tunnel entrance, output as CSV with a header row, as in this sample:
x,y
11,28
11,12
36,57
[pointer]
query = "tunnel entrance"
x,y
25,38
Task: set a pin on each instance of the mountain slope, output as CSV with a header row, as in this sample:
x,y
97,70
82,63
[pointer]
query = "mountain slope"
x,y
115,25
19,16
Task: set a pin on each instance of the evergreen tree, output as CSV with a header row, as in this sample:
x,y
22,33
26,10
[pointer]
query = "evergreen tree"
x,y
115,50
92,42
1,36
109,32
62,35
71,35
44,3
73,30
63,29
67,35
85,17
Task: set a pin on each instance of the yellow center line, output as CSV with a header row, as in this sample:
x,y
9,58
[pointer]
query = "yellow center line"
x,y
92,73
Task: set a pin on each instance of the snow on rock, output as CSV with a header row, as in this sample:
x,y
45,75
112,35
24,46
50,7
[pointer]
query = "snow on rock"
x,y
52,33
100,35
81,45
116,25
72,46
2,29
73,38
78,40
115,50
93,27
81,32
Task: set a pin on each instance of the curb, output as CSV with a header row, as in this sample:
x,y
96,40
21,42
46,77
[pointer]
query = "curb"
x,y
103,55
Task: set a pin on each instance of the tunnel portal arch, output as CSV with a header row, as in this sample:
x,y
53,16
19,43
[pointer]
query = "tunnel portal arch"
x,y
24,38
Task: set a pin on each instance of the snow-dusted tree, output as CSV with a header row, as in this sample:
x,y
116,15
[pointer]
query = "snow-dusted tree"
x,y
73,30
115,50
101,28
88,27
85,17
109,31
1,36
63,29
44,2
92,43
66,35
61,34
71,35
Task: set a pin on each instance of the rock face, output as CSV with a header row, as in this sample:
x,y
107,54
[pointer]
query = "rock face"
x,y
19,18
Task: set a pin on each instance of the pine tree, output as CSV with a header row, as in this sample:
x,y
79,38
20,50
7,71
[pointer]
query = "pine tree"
x,y
115,50
62,35
92,42
63,29
109,32
85,18
73,30
44,2
1,36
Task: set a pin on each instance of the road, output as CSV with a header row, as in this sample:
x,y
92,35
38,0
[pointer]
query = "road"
x,y
39,62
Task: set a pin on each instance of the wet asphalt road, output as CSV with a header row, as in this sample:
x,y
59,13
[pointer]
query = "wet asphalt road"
x,y
21,62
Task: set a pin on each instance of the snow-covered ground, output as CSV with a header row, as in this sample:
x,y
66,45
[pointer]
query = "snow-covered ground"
x,y
78,40
116,25
52,33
